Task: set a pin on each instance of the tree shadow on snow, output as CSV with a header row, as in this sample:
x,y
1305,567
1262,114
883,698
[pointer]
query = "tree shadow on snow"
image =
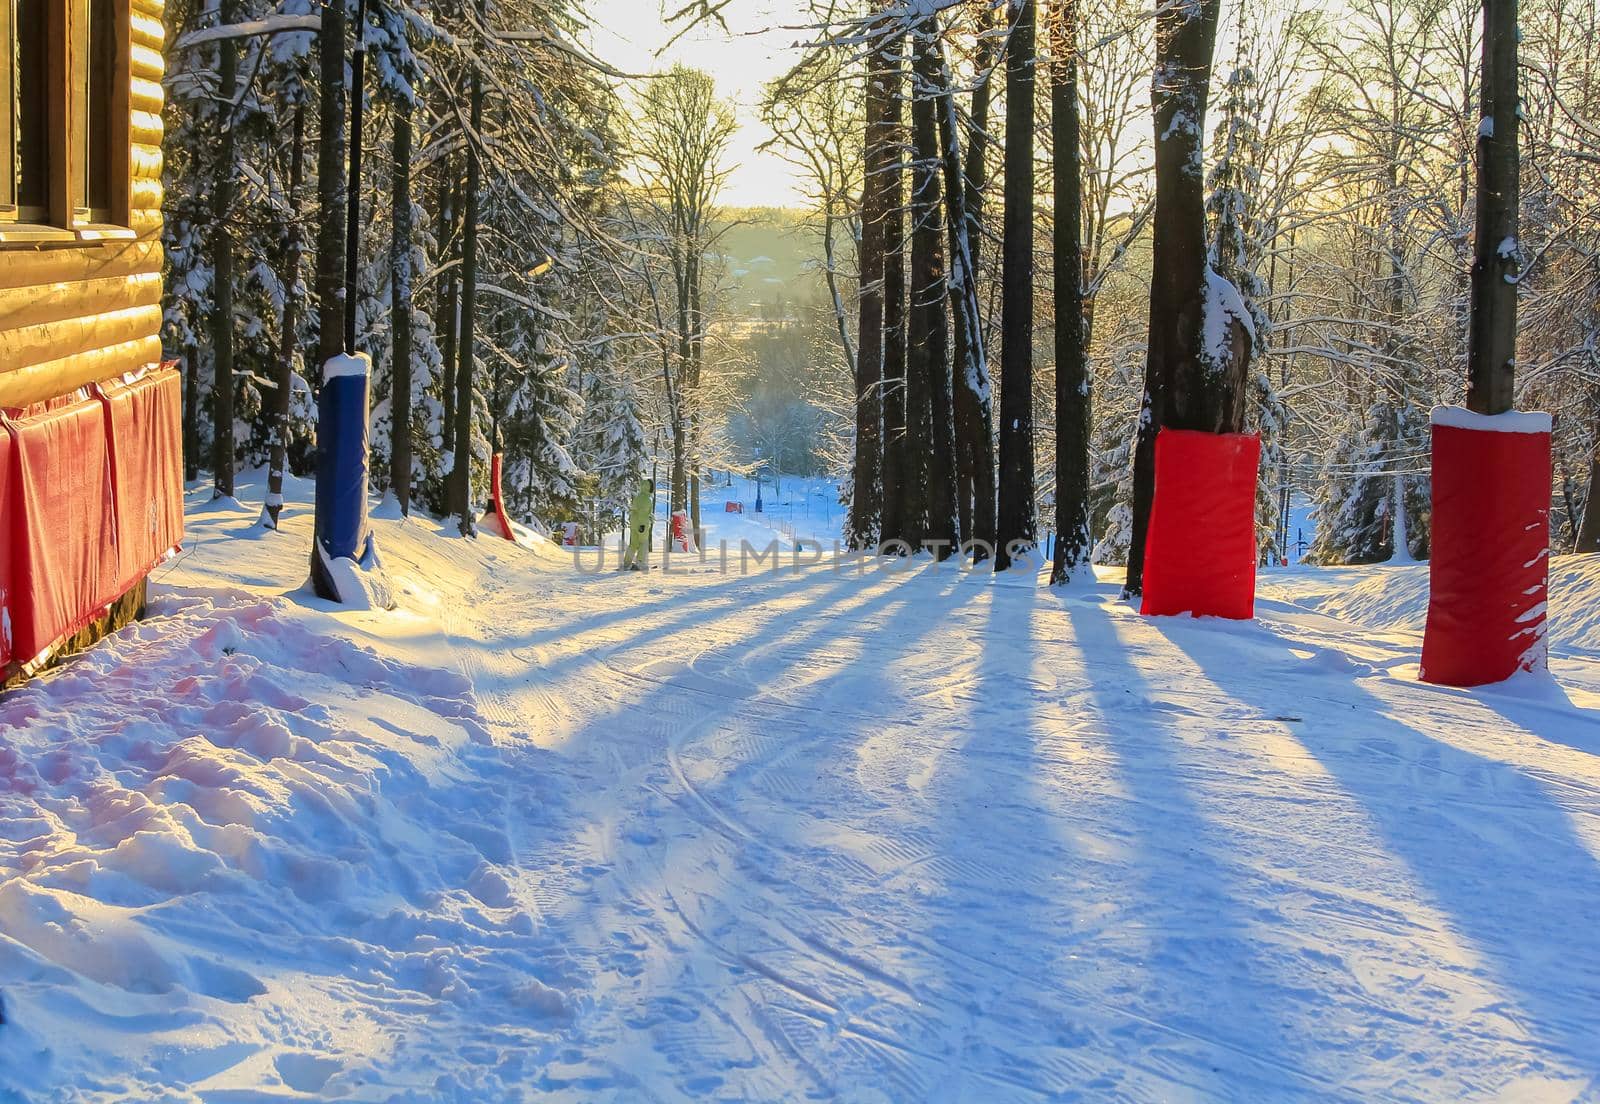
x,y
1197,1001
1484,841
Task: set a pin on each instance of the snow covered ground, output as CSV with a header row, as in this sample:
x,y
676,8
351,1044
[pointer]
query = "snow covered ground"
x,y
794,835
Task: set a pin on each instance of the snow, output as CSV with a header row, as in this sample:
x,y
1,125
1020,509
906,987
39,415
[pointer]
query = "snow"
x,y
1512,421
1222,304
346,364
895,834
273,25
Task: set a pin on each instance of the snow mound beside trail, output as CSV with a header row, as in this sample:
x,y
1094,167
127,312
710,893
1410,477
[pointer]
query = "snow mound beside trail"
x,y
224,805
1389,598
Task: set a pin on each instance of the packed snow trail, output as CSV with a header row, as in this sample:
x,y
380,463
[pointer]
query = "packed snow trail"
x,y
906,835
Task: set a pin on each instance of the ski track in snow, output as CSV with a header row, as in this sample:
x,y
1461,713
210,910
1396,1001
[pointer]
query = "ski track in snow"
x,y
806,835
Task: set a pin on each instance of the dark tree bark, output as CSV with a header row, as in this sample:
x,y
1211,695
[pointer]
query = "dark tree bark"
x,y
697,350
400,314
222,458
331,230
330,190
461,474
970,368
1073,386
865,520
896,524
278,431
450,292
679,494
974,398
1589,532
1181,389
928,383
191,414
1492,331
1017,524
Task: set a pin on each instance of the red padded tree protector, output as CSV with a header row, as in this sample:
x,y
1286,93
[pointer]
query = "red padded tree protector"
x,y
497,499
144,421
66,556
1491,547
1200,554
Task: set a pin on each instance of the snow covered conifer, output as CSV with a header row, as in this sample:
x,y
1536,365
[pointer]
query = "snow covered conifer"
x,y
1236,254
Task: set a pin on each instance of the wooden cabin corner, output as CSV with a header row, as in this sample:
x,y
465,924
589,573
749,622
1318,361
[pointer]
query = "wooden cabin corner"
x,y
90,437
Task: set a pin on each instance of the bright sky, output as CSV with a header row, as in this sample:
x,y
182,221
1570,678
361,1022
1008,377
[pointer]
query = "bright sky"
x,y
630,32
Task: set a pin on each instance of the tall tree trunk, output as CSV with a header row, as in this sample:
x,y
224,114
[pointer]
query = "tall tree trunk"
x,y
1589,532
400,314
895,461
1017,524
330,190
865,521
679,496
449,294
697,349
930,404
1073,381
222,460
191,413
1175,391
461,476
970,370
946,378
975,399
278,423
331,230
1492,332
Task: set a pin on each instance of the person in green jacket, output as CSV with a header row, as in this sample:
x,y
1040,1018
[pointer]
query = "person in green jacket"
x,y
641,514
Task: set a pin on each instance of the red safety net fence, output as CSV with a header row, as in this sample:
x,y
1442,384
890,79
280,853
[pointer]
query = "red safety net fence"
x,y
1200,555
91,498
1489,571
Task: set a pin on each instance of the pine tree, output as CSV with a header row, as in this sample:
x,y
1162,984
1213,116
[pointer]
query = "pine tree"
x,y
1236,253
1496,266
864,524
930,403
1017,525
1073,379
974,391
1190,382
897,525
972,416
222,216
460,495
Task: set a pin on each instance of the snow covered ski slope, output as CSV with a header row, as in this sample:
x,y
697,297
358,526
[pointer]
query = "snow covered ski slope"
x,y
796,835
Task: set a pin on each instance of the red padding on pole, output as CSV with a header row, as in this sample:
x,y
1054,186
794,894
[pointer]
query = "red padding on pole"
x,y
66,568
499,499
1200,555
1491,551
144,422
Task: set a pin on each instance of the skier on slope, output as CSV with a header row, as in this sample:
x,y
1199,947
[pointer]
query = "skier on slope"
x,y
641,514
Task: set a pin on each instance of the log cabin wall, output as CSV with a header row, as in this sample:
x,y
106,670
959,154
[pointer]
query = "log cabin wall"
x,y
80,292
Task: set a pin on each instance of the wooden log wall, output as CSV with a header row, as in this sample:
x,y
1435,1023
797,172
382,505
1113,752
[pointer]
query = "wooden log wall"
x,y
83,304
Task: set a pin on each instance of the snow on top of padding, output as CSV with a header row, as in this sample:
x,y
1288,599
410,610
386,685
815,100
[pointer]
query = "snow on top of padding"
x,y
1512,421
346,364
